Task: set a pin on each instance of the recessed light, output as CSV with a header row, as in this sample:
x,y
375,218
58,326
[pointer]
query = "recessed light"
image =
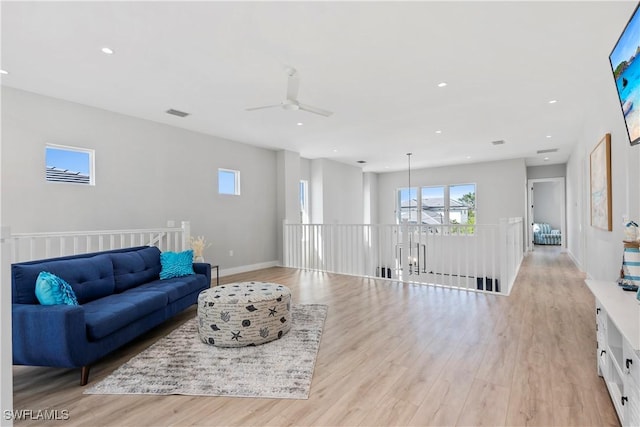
x,y
386,167
553,101
335,151
107,50
299,123
548,136
442,84
468,157
438,131
546,158
4,72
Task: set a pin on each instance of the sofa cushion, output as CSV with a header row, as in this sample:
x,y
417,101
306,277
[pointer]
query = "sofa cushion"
x,y
177,287
108,314
90,278
132,269
52,290
176,264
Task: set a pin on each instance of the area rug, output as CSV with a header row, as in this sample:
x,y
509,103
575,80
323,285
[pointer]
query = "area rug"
x,y
182,364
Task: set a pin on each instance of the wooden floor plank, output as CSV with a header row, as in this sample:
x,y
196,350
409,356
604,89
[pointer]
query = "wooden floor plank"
x,y
486,405
391,354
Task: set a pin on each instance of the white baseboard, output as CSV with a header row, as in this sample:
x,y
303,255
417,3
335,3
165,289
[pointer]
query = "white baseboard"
x,y
575,260
247,268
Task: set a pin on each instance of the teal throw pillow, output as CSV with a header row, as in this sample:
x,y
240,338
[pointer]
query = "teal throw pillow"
x,y
52,290
176,264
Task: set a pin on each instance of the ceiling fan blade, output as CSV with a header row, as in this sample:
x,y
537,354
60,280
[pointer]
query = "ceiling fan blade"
x,y
315,110
292,85
263,107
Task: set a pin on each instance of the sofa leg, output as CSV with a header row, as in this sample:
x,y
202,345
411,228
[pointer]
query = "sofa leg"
x,y
84,375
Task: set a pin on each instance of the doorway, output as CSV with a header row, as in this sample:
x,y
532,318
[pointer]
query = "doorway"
x,y
546,204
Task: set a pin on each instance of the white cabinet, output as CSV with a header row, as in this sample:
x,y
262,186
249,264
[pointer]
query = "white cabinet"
x,y
618,347
631,368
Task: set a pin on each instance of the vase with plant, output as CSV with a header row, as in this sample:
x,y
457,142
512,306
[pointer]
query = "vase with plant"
x,y
198,244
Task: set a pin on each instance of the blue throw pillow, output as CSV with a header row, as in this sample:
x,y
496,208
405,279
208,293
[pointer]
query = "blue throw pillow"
x,y
176,264
52,290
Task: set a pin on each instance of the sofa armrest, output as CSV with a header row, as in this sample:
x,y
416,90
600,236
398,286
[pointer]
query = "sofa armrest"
x,y
203,268
52,335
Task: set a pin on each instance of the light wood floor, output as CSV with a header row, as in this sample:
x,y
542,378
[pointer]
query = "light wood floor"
x,y
392,354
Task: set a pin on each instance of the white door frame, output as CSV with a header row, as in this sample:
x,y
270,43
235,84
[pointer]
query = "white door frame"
x,y
563,220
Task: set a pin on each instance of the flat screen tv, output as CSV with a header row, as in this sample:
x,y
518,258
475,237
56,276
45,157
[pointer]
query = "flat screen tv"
x,y
625,64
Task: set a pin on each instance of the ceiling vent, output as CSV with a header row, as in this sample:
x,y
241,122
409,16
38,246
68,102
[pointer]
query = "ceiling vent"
x,y
361,161
499,142
550,150
177,112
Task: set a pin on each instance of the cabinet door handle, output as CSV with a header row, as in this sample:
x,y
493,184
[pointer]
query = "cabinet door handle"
x,y
598,310
602,352
627,363
624,399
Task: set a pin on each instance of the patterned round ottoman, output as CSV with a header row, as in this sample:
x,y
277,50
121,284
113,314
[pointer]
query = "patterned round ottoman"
x,y
242,314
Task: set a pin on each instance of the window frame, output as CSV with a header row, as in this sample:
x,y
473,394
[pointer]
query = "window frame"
x,y
236,182
304,201
446,210
92,163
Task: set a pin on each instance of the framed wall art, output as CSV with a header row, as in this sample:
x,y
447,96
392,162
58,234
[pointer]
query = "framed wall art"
x,y
600,178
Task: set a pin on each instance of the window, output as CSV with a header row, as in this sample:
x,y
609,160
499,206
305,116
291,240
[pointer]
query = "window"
x,y
304,202
228,182
69,164
462,204
445,204
408,202
433,205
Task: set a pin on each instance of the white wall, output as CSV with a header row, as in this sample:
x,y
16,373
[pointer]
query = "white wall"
x,y
547,203
575,198
599,252
288,190
146,173
547,171
316,191
6,355
336,193
500,188
305,169
370,194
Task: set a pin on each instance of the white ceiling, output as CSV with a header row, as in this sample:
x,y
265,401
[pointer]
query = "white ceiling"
x,y
376,65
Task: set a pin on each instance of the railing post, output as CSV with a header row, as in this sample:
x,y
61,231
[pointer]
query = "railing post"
x,y
15,245
285,244
404,265
186,234
503,251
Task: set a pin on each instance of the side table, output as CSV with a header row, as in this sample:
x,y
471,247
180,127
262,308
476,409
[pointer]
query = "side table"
x,y
217,267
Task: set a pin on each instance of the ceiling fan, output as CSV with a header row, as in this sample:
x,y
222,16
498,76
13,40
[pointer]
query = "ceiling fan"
x,y
291,101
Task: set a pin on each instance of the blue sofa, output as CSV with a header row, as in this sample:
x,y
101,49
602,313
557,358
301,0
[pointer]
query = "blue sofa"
x,y
120,296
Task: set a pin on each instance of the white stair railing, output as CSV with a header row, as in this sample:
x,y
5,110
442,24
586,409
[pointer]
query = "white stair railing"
x,y
31,246
476,257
